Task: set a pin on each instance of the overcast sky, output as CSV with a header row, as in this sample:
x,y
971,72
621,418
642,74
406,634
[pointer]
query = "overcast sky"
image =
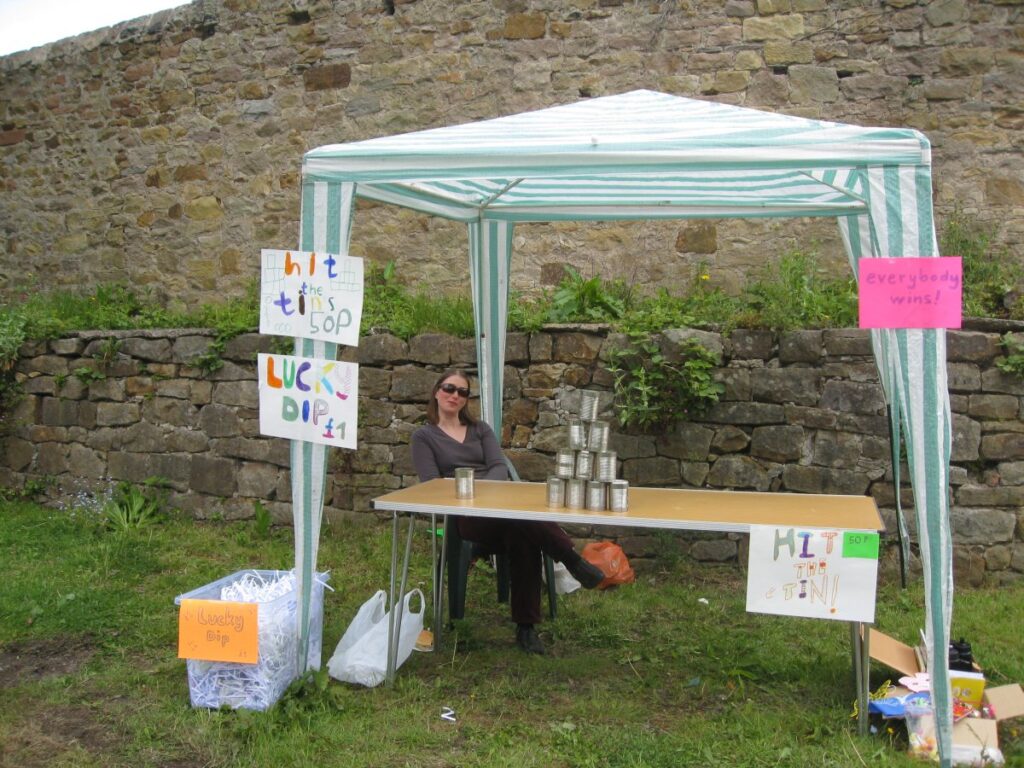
x,y
25,24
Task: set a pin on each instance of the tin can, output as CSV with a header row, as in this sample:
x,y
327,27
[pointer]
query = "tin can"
x,y
464,483
556,491
605,466
588,405
618,495
595,495
575,491
565,464
584,465
597,440
577,434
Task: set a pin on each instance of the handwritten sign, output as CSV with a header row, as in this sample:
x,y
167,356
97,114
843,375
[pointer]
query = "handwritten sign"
x,y
311,295
816,573
910,292
214,630
305,398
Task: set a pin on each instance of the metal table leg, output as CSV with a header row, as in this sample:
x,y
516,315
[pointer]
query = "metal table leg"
x,y
397,603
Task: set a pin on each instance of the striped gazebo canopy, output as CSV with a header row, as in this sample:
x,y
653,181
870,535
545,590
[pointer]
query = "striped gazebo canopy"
x,y
648,155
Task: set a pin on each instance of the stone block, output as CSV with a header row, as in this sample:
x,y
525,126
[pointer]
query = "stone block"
x,y
238,394
213,475
107,389
675,341
218,420
744,413
541,347
729,439
327,77
690,442
464,353
981,525
186,440
1002,446
809,83
116,414
851,397
995,380
966,439
972,495
47,385
56,412
800,347
411,383
777,443
714,551
996,407
257,480
752,344
50,365
779,27
175,468
375,383
247,346
382,348
431,349
17,453
799,386
656,471
517,348
694,473
576,347
847,342
824,480
531,466
187,348
740,472
963,377
631,446
812,418
737,383
152,350
134,467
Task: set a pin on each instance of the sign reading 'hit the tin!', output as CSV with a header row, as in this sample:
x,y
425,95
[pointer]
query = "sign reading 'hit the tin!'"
x,y
311,295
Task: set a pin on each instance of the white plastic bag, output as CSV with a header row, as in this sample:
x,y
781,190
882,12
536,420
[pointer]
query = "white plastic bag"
x,y
564,582
362,653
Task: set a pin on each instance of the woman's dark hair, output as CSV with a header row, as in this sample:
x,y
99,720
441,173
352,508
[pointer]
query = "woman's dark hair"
x,y
465,417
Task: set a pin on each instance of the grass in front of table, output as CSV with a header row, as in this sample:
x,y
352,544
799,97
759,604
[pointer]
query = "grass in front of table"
x,y
645,675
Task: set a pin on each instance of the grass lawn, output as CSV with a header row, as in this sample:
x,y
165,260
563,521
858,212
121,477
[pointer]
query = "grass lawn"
x,y
670,671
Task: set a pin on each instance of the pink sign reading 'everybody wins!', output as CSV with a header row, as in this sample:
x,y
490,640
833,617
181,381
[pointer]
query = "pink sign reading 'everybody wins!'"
x,y
911,292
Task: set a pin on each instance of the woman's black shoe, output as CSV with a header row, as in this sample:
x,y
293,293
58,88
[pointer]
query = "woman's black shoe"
x,y
585,572
528,640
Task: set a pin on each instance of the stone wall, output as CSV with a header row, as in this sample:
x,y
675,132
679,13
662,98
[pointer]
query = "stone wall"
x,y
165,152
802,412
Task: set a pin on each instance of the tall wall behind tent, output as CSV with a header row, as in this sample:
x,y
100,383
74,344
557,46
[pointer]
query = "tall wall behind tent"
x,y
166,151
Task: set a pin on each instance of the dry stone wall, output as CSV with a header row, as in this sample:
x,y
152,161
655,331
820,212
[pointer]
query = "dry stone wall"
x,y
165,152
802,412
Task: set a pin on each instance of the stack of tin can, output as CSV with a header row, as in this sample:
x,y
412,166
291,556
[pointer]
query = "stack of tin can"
x,y
585,471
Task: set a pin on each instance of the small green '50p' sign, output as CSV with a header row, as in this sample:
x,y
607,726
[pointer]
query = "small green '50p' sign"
x,y
860,544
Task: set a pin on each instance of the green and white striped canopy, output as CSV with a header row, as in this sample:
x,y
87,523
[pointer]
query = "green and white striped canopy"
x,y
647,155
638,155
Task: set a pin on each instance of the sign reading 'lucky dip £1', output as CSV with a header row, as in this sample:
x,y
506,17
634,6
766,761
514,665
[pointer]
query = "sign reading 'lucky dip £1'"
x,y
309,399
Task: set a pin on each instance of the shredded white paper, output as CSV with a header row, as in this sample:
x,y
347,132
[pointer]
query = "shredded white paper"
x,y
258,686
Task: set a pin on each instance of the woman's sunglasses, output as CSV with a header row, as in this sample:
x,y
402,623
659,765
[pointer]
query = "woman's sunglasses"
x,y
451,389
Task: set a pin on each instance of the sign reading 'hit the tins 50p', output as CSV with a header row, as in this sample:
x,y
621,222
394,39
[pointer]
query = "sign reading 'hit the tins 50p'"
x,y
303,398
311,295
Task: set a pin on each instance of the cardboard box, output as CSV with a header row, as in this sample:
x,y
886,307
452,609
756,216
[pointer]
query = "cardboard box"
x,y
975,739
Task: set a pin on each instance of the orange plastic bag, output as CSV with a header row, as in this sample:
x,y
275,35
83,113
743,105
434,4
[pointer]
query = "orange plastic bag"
x,y
609,557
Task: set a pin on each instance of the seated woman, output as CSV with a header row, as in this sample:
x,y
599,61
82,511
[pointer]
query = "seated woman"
x,y
452,439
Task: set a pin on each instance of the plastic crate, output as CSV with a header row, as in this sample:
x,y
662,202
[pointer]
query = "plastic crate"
x,y
216,684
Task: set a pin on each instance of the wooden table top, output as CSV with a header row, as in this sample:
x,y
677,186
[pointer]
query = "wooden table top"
x,y
670,508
